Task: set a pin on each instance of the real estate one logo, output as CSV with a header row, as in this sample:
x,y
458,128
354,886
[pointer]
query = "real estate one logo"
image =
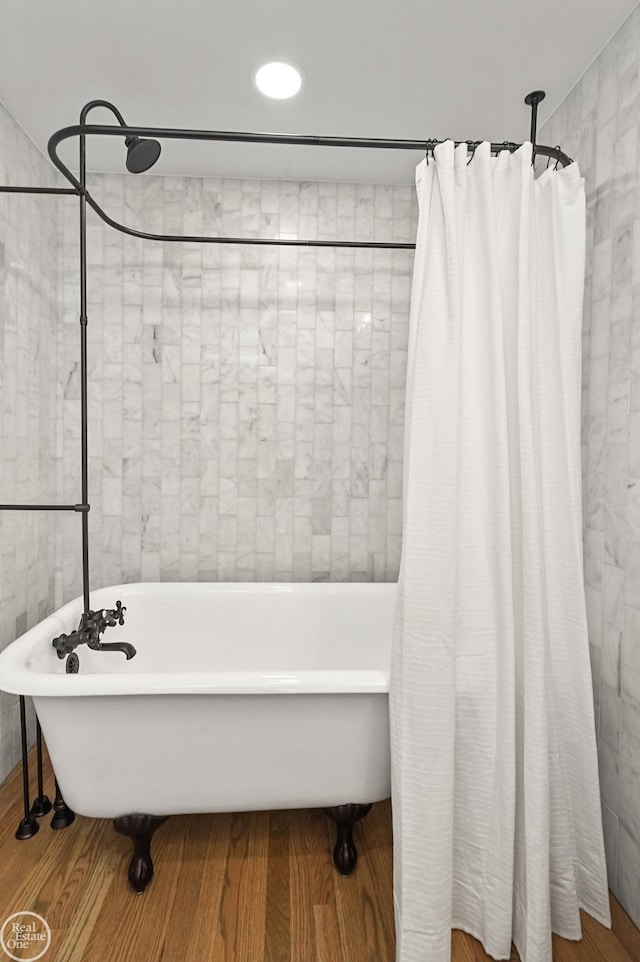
x,y
25,936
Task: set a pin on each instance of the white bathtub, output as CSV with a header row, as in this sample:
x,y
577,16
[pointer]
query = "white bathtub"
x,y
241,697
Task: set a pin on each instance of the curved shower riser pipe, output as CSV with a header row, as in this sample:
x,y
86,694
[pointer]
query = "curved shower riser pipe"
x,y
142,152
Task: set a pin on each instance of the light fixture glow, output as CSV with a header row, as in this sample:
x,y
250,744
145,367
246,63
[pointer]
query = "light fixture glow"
x,y
278,80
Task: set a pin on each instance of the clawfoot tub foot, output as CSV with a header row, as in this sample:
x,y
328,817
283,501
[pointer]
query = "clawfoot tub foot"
x,y
62,814
345,854
139,828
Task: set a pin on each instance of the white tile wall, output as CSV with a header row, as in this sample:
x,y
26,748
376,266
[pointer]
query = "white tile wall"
x,y
29,316
246,404
599,125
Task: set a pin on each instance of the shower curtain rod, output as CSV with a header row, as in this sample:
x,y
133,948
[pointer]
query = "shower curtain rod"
x,y
82,130
133,135
425,146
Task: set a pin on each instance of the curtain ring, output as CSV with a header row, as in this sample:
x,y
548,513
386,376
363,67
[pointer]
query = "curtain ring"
x,y
426,155
431,145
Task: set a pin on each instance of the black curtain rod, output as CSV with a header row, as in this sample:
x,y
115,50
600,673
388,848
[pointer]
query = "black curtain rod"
x,y
308,140
109,130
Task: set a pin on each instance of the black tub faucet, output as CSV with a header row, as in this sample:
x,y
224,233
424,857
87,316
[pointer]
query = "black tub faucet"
x,y
90,630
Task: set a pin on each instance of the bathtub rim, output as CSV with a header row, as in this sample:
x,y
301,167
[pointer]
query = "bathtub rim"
x,y
20,679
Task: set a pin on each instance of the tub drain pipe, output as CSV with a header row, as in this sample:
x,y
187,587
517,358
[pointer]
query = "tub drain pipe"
x,y
41,805
28,825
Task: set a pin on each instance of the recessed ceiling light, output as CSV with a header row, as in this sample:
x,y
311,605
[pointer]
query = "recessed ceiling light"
x,y
278,80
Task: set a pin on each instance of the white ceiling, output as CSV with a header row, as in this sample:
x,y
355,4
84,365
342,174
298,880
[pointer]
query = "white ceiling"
x,y
373,68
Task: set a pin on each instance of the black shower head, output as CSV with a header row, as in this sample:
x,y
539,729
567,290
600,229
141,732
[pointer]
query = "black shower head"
x,y
141,154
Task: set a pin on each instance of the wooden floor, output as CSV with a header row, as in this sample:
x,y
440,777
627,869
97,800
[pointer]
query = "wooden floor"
x,y
256,887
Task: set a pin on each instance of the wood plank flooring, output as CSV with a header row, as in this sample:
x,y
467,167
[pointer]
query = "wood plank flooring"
x,y
248,887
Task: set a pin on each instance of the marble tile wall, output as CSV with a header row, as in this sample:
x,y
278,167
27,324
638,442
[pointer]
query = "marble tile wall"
x,y
29,316
598,124
246,404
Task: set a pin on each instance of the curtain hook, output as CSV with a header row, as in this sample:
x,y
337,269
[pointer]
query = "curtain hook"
x,y
557,158
472,146
430,145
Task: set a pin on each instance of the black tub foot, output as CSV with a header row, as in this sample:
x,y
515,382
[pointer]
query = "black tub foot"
x,y
139,828
62,814
345,854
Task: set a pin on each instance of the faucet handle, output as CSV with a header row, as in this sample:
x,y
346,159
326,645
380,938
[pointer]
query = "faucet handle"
x,y
118,612
109,617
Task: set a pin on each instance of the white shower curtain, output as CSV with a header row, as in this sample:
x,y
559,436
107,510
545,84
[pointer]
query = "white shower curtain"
x,y
496,809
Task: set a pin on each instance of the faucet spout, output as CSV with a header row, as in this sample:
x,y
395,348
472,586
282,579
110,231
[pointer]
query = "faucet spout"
x,y
128,650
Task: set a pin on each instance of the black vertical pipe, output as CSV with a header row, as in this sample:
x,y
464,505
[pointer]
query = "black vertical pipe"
x,y
28,825
532,100
39,758
25,765
534,123
41,804
83,364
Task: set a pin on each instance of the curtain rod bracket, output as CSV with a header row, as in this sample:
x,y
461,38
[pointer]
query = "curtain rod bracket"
x,y
532,100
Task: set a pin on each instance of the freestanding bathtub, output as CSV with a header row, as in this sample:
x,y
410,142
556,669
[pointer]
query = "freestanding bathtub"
x,y
240,697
